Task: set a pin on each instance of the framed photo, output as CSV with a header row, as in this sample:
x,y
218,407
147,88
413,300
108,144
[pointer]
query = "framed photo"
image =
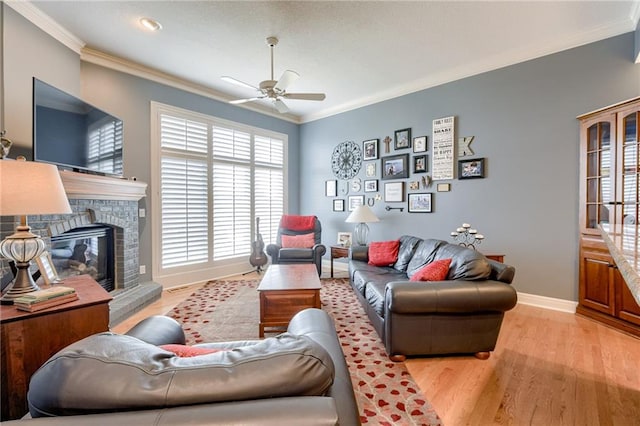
x,y
370,169
344,239
395,166
331,188
394,192
414,185
47,270
444,187
420,164
420,144
471,169
355,201
370,149
402,139
371,185
338,205
420,203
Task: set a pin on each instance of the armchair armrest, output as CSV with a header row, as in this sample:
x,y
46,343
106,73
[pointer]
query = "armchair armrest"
x,y
273,250
410,297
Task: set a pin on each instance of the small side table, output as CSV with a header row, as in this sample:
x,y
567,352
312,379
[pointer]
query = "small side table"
x,y
496,257
338,252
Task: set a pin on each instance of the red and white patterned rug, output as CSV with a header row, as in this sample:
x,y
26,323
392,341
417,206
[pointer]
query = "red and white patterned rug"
x,y
386,393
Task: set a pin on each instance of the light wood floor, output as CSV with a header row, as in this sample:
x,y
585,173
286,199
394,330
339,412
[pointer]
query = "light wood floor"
x,y
549,368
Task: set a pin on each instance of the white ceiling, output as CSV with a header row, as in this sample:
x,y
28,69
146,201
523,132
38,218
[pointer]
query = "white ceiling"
x,y
357,53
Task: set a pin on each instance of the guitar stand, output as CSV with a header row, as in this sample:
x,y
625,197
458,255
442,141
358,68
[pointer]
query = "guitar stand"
x,y
258,270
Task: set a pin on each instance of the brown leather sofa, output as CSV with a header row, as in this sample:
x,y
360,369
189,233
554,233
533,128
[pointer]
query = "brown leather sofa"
x,y
461,315
296,378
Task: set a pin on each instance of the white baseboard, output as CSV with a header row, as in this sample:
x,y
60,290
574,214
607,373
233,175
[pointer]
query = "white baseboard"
x,y
547,302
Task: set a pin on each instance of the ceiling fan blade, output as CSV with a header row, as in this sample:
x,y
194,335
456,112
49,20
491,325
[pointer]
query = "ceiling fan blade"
x,y
238,82
306,96
242,101
287,78
280,106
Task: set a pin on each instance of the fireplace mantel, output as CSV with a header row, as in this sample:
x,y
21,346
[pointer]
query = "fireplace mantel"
x,y
88,187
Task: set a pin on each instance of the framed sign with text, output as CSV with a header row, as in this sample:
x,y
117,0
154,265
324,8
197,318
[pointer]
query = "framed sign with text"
x,y
442,165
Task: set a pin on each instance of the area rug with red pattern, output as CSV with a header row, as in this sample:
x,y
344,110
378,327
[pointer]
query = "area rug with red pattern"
x,y
225,310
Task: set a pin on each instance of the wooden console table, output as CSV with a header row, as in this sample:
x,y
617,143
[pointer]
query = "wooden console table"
x,y
31,338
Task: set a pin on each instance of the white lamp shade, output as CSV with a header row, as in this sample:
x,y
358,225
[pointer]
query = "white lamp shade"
x,y
362,214
30,188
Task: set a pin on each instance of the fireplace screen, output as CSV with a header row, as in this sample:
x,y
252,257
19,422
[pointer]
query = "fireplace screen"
x,y
86,250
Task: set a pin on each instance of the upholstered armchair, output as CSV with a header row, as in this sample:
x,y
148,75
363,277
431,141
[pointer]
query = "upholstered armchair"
x,y
298,241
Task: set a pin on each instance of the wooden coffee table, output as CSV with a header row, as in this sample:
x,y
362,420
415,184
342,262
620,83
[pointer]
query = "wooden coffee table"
x,y
284,291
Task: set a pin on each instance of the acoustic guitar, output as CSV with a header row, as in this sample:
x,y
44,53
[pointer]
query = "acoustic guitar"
x,y
258,257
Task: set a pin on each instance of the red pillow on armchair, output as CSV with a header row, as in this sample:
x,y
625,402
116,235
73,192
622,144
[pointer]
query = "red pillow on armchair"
x,y
383,253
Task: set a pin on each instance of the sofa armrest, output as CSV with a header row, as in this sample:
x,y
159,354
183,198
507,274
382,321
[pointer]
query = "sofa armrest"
x,y
299,411
410,297
360,253
501,271
158,330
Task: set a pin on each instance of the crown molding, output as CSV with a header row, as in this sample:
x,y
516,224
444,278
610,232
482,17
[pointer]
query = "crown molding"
x,y
46,24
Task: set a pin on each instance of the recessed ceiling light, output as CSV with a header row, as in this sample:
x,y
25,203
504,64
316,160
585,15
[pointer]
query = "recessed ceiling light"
x,y
150,24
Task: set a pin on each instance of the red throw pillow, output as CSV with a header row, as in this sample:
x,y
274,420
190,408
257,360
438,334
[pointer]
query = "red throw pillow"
x,y
186,351
383,253
298,241
434,271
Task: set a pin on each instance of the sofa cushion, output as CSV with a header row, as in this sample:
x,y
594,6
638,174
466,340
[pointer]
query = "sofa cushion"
x,y
296,254
405,252
466,264
284,365
366,273
434,271
383,253
298,241
374,294
423,254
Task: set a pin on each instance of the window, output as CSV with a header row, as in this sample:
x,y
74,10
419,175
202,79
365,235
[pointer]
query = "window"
x,y
105,146
215,179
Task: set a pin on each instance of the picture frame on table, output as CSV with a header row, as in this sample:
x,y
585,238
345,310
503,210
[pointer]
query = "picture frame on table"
x,y
394,192
344,239
471,169
420,144
420,202
420,164
395,166
331,188
338,205
355,201
402,139
47,270
371,185
370,149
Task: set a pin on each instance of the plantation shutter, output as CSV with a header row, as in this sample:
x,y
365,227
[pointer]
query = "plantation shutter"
x,y
184,192
269,192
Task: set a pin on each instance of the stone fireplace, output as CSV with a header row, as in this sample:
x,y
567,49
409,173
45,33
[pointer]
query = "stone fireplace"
x,y
97,202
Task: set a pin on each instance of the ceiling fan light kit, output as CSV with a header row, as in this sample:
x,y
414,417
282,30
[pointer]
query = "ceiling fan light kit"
x,y
275,90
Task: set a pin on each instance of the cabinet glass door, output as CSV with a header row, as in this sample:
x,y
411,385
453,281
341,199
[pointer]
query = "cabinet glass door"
x,y
600,186
630,168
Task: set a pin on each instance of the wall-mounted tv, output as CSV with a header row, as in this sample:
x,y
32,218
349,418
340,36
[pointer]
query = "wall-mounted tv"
x,y
74,135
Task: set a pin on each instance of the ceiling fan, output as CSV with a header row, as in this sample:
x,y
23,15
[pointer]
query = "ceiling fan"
x,y
276,90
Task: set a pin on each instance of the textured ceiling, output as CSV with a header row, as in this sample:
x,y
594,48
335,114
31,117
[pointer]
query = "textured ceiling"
x,y
356,52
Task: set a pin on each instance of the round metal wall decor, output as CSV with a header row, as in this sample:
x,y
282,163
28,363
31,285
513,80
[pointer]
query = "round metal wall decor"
x,y
346,160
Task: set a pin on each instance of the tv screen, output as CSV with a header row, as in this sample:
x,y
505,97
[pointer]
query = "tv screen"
x,y
72,134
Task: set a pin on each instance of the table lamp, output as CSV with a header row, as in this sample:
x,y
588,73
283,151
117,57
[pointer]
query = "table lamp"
x,y
361,215
27,188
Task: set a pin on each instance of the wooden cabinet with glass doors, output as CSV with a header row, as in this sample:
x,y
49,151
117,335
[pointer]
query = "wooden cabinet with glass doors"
x,y
609,181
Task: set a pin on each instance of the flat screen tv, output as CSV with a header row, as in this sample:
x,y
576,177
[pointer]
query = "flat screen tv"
x,y
72,134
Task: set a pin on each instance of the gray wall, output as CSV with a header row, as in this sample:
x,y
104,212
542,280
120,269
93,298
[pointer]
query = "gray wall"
x,y
523,118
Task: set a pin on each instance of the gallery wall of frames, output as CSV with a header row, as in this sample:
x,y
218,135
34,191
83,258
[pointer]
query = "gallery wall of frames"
x,y
402,170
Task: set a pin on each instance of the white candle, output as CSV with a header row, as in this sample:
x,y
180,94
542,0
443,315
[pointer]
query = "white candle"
x,y
466,225
479,237
473,231
454,234
460,229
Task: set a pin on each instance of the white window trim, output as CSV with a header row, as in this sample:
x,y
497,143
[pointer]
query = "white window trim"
x,y
218,269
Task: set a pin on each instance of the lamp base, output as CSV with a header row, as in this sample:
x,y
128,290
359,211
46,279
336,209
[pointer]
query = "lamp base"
x,y
21,285
361,234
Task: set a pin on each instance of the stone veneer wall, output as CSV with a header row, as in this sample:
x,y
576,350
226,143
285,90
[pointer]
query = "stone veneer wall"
x,y
122,216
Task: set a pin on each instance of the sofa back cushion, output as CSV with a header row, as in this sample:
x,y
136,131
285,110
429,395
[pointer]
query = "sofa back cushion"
x,y
407,248
466,264
423,254
135,375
